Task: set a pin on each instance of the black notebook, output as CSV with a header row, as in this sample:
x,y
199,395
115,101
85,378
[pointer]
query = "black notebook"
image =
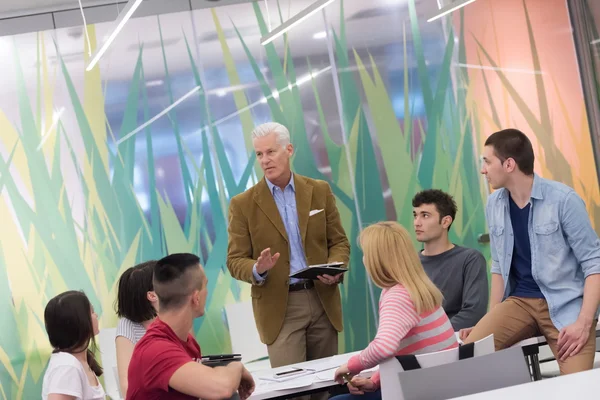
x,y
220,359
312,271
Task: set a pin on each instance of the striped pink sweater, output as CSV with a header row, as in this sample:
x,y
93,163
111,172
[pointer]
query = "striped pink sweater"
x,y
402,331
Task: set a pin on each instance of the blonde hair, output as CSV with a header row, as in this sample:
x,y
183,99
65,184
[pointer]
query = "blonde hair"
x,y
391,259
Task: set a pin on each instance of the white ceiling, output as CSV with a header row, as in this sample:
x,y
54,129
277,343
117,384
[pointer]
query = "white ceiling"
x,y
20,7
12,8
363,19
373,28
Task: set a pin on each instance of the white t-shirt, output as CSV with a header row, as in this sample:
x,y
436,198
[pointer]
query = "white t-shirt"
x,y
65,375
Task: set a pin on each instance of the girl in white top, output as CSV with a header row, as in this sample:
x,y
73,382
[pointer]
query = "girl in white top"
x,y
73,372
136,307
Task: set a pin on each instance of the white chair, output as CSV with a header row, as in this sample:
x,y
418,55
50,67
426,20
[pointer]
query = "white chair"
x,y
108,355
389,369
465,377
244,336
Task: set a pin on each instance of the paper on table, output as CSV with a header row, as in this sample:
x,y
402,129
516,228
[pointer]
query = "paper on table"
x,y
328,375
285,378
329,363
325,365
268,386
325,375
344,358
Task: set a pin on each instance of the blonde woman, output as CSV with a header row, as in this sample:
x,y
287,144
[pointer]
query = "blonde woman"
x,y
411,319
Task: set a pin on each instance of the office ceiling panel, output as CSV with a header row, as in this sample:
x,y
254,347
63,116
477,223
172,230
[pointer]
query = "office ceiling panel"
x,y
13,8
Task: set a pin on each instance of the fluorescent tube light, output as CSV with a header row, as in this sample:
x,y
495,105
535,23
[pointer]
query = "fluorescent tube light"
x,y
55,119
159,115
490,68
124,16
450,8
295,20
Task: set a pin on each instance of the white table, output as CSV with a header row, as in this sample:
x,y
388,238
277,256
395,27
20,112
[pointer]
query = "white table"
x,y
321,382
317,382
583,385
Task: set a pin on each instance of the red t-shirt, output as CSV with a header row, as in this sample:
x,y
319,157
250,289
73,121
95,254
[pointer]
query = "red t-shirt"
x,y
155,359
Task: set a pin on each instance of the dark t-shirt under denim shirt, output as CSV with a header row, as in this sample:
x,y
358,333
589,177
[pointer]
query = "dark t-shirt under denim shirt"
x,y
461,275
522,282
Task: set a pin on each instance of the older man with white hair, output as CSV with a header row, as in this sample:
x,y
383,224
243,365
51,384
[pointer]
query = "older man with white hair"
x,y
281,225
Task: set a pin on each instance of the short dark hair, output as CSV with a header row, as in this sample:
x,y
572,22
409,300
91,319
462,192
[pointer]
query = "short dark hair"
x,y
512,143
68,320
176,277
132,296
444,203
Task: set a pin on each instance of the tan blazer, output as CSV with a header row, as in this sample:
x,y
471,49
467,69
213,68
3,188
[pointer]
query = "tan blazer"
x,y
255,224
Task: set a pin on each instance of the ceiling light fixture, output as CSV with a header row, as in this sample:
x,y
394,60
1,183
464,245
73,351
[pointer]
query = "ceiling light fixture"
x,y
159,115
154,83
122,19
87,37
56,115
320,35
295,20
450,8
490,68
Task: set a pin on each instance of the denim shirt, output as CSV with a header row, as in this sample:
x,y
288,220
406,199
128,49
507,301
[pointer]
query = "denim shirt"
x,y
565,249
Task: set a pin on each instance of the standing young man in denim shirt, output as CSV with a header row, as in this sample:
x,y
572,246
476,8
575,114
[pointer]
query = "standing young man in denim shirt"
x,y
545,258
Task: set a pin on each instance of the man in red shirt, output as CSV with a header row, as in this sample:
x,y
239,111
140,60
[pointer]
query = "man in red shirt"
x,y
165,363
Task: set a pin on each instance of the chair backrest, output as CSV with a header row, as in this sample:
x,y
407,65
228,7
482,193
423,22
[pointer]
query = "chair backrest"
x,y
469,376
243,333
108,355
389,369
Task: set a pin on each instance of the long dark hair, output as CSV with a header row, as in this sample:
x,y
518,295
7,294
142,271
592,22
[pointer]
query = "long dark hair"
x,y
69,325
132,297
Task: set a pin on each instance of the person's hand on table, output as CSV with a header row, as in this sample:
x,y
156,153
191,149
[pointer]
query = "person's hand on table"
x,y
342,374
246,385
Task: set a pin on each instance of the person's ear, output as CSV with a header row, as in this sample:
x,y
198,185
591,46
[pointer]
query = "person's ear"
x,y
510,165
446,221
152,297
196,298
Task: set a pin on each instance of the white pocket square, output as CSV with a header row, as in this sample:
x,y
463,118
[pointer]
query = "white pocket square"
x,y
313,212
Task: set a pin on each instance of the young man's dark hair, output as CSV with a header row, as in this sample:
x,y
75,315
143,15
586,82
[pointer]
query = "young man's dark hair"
x,y
444,203
175,277
132,296
512,143
165,363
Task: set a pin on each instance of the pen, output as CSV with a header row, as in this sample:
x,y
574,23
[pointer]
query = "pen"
x,y
347,378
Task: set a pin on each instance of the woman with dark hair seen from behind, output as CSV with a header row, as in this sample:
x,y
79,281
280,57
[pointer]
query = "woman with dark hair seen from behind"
x,y
136,307
73,372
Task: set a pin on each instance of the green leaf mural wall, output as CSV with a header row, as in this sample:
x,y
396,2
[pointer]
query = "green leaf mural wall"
x,y
71,210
